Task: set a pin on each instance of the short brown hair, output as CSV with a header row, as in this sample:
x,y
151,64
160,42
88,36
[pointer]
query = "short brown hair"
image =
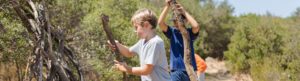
x,y
142,15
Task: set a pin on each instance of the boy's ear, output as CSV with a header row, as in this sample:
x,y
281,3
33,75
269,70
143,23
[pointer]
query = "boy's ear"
x,y
147,24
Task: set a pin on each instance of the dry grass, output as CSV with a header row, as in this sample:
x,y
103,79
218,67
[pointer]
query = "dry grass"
x,y
8,72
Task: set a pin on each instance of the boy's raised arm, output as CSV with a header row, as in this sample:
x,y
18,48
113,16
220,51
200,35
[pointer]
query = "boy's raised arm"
x,y
190,19
162,25
193,22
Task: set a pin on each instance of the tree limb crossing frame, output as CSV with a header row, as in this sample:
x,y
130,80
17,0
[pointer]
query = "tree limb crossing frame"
x,y
105,21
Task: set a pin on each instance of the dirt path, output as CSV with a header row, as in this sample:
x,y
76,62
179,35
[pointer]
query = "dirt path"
x,y
217,71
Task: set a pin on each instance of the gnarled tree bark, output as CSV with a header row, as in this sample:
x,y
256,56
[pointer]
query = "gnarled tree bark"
x,y
35,19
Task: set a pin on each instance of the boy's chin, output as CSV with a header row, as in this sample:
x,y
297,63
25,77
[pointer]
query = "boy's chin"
x,y
140,37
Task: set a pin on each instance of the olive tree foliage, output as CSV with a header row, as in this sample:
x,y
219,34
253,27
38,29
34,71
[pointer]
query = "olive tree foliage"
x,y
265,47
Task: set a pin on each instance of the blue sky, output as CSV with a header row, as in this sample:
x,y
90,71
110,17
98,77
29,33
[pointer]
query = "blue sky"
x,y
282,8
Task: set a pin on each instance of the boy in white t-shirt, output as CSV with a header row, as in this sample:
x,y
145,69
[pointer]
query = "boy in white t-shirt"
x,y
150,49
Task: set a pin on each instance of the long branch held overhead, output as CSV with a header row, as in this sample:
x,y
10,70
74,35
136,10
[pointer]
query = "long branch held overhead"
x,y
186,42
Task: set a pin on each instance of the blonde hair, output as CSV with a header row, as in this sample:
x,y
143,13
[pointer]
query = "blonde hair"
x,y
143,15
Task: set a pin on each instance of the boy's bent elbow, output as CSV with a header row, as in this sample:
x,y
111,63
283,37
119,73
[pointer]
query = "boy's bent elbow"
x,y
147,69
195,28
130,54
160,22
162,26
195,25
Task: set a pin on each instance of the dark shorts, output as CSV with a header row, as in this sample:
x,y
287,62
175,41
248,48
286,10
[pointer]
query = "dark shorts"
x,y
179,75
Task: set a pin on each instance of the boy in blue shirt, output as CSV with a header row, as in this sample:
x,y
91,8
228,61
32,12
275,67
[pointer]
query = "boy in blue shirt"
x,y
177,67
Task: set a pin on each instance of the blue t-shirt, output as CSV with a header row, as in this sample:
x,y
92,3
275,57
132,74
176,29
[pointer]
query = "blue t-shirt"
x,y
177,52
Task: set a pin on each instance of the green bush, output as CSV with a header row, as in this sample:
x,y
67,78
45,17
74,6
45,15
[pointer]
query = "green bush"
x,y
263,46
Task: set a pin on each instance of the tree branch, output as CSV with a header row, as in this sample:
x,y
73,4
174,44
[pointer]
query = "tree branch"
x,y
37,22
186,42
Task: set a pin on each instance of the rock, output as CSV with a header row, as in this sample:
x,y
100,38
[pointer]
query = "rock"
x,y
217,71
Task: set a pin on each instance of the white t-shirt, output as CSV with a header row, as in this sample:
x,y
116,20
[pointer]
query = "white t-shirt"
x,y
152,52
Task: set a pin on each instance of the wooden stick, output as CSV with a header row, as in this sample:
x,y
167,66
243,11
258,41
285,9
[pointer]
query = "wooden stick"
x,y
186,42
105,21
